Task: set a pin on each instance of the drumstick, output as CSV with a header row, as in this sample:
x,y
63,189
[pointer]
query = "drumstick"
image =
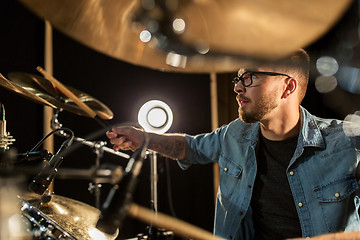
x,y
336,236
169,223
67,92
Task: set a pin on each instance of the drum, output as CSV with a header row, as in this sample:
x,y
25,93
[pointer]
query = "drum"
x,y
58,217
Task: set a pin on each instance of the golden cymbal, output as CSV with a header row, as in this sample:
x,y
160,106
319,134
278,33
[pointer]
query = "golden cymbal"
x,y
207,36
43,89
34,96
76,218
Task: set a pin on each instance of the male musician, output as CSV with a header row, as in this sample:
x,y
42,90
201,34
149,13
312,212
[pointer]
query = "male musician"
x,y
284,173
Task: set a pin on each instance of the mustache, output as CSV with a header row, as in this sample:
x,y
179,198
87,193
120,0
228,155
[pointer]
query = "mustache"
x,y
242,98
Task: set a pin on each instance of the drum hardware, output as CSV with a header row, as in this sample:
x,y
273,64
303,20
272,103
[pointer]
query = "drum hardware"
x,y
98,147
5,138
116,206
152,232
159,234
55,226
95,187
106,173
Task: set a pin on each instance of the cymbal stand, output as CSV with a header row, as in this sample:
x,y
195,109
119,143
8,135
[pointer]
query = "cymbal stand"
x,y
153,181
95,187
56,124
99,148
153,232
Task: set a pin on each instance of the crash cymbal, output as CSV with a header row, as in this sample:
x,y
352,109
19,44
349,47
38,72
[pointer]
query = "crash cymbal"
x,y
43,88
76,218
34,96
207,36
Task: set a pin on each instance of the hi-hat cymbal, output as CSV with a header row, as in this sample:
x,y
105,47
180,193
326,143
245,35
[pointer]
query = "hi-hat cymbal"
x,y
41,90
77,218
207,36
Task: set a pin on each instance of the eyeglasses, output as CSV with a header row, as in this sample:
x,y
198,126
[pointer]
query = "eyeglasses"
x,y
248,77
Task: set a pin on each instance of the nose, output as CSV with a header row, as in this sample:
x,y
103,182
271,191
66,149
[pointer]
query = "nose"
x,y
239,88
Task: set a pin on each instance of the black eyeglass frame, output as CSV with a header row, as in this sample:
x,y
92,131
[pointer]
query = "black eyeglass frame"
x,y
241,78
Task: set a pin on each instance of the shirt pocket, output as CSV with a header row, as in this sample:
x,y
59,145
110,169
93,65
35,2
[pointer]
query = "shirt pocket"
x,y
336,190
336,200
229,176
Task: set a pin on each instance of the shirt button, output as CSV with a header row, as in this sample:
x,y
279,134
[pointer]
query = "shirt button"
x,y
241,213
300,204
291,173
226,169
249,186
337,195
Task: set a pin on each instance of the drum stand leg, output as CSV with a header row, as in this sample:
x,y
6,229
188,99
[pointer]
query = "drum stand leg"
x,y
154,233
95,187
153,181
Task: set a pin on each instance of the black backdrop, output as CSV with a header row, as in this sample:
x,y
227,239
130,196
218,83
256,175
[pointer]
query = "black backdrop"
x,y
124,88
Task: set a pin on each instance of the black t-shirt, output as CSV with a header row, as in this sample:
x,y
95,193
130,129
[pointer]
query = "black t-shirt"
x,y
274,211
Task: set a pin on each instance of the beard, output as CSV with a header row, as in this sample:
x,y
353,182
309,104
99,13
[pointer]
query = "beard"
x,y
261,107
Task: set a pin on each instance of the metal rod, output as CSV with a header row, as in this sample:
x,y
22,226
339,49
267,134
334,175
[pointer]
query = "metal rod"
x,y
154,181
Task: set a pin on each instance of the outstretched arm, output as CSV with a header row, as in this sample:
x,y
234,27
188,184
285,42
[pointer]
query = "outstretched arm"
x,y
130,138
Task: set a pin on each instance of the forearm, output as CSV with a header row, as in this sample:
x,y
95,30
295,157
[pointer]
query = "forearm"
x,y
170,145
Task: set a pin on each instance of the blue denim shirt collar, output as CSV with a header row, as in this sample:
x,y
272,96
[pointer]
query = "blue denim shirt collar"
x,y
310,131
310,134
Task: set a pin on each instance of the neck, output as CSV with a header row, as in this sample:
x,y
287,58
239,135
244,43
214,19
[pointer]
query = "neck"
x,y
282,125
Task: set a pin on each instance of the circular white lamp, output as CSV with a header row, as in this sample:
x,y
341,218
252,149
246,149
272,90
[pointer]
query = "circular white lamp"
x,y
155,116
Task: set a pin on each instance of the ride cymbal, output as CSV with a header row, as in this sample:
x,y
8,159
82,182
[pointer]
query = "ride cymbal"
x,y
192,36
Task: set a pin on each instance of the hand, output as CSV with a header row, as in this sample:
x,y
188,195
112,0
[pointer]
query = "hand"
x,y
126,138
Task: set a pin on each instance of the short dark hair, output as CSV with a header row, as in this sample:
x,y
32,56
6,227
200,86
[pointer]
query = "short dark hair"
x,y
295,65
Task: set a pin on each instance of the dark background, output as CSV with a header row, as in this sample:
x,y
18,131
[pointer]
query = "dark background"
x,y
124,88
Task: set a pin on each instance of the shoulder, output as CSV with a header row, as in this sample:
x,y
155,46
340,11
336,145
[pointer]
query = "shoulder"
x,y
331,130
238,129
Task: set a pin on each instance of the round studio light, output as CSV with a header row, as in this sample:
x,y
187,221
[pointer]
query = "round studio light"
x,y
155,116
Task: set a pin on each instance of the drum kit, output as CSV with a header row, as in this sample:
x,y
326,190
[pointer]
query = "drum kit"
x,y
45,215
207,36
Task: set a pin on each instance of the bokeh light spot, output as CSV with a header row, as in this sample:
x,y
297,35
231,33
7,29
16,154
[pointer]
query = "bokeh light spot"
x,y
327,66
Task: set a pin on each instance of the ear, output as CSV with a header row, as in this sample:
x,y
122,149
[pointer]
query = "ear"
x,y
291,86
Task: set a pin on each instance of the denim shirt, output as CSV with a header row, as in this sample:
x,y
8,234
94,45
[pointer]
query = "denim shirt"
x,y
323,175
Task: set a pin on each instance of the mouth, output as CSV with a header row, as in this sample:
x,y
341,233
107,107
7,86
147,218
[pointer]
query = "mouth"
x,y
242,101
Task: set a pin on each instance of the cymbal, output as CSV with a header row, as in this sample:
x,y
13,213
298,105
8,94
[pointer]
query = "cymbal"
x,y
75,217
43,89
36,97
208,36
